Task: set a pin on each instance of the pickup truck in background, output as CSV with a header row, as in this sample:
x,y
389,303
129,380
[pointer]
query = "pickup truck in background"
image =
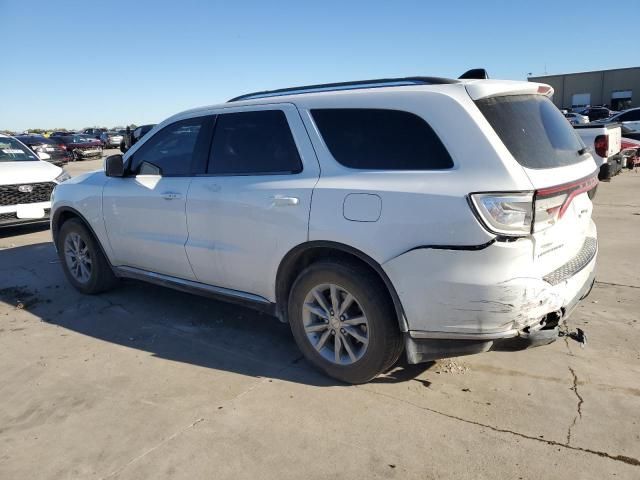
x,y
605,142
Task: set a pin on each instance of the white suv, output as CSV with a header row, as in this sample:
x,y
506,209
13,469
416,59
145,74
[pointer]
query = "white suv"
x,y
26,183
441,217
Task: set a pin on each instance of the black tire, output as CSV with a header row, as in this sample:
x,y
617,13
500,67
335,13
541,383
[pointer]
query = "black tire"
x,y
385,343
101,277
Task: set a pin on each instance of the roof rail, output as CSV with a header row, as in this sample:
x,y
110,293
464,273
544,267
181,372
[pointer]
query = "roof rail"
x,y
326,87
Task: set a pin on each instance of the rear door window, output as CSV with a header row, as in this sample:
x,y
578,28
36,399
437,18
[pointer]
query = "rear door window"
x,y
253,143
377,139
533,130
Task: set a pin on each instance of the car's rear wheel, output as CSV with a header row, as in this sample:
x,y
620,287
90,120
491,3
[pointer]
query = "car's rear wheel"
x,y
84,264
343,321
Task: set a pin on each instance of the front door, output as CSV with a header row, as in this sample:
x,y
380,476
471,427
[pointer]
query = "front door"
x,y
144,212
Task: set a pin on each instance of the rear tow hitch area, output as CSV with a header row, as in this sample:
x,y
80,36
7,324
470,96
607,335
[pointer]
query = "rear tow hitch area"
x,y
546,331
579,336
543,333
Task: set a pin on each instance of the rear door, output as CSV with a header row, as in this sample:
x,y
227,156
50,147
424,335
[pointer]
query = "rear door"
x,y
144,212
251,205
559,167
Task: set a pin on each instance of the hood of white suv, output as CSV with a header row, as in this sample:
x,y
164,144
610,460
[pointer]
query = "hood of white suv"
x,y
27,172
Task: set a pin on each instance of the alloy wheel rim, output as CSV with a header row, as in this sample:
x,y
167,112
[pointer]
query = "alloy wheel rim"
x,y
335,324
77,257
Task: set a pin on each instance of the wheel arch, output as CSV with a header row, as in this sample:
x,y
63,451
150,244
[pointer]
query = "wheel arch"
x,y
63,214
303,255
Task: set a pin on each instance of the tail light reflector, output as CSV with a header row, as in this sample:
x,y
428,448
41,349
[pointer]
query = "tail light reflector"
x,y
601,145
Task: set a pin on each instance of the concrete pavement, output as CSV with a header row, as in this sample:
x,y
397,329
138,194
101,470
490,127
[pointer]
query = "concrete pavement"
x,y
145,382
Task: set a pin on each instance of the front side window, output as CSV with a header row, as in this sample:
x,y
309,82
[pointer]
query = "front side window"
x,y
246,143
171,151
376,139
12,150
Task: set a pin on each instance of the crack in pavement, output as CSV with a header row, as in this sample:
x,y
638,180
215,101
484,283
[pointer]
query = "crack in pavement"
x,y
579,407
616,284
565,337
618,458
147,452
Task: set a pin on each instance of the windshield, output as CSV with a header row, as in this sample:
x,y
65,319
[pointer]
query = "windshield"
x,y
12,150
534,130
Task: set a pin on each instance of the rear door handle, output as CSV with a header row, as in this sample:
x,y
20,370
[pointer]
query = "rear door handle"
x,y
171,195
285,201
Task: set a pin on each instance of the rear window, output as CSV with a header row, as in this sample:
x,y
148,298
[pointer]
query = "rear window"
x,y
375,139
533,129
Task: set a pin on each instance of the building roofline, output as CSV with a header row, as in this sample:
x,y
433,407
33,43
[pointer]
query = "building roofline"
x,y
579,73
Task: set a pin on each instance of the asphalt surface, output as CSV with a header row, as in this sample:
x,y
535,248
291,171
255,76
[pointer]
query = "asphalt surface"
x,y
146,382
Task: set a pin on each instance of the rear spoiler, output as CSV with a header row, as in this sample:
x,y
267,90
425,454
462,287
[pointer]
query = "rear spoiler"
x,y
478,89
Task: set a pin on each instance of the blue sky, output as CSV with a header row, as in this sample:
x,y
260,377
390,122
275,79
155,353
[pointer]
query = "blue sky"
x,y
75,64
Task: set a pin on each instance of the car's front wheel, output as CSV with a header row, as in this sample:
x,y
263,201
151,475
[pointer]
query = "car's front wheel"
x,y
84,264
343,321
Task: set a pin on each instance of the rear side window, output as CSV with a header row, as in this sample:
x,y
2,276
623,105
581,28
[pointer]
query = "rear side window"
x,y
247,143
533,130
375,139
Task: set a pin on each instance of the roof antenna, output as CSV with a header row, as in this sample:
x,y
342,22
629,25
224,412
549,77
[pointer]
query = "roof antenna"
x,y
474,74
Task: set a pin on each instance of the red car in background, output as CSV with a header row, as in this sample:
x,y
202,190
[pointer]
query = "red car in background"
x,y
79,146
630,144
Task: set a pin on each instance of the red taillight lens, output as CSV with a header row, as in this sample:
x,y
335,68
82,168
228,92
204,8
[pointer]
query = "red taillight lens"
x,y
551,203
601,145
63,146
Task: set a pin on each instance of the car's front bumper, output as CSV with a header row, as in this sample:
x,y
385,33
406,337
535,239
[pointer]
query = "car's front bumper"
x,y
9,215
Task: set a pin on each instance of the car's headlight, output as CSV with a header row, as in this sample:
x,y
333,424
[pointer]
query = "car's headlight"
x,y
62,177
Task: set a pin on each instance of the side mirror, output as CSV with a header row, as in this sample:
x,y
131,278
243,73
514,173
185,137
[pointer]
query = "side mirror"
x,y
114,166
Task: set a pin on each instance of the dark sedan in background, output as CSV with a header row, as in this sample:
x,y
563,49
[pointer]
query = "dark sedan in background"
x,y
46,149
79,146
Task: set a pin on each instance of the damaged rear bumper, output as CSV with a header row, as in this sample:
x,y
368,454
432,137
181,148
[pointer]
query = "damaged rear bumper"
x,y
426,346
499,297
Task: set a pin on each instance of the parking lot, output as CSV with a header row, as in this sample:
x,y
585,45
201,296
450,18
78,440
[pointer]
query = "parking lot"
x,y
146,382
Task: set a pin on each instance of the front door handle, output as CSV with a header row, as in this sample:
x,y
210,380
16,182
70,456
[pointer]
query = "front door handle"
x,y
171,195
285,201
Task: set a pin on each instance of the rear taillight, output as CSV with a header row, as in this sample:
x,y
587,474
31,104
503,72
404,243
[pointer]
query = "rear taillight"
x,y
63,146
601,145
508,213
522,213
